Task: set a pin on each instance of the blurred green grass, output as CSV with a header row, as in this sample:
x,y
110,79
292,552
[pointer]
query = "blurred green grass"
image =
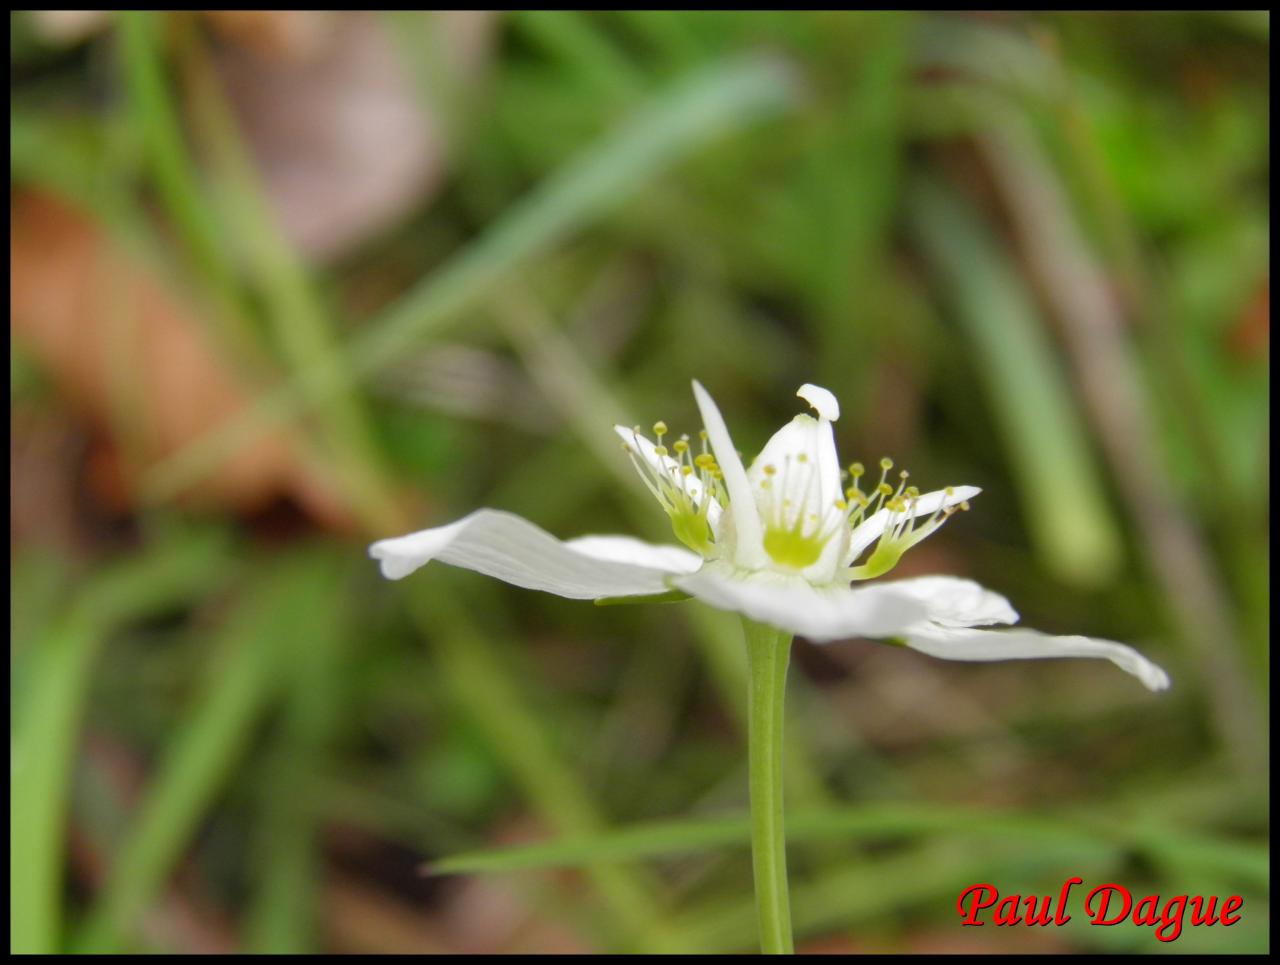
x,y
754,200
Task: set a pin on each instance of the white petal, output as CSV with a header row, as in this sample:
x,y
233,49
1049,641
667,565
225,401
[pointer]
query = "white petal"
x,y
802,491
954,602
792,604
954,643
669,469
806,473
628,549
748,535
823,402
869,530
504,546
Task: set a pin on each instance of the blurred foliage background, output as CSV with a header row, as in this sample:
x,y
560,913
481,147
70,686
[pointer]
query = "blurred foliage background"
x,y
283,283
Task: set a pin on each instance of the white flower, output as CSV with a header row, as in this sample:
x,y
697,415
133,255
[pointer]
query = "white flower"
x,y
781,542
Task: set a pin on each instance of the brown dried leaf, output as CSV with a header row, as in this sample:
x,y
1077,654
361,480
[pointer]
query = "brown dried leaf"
x,y
137,364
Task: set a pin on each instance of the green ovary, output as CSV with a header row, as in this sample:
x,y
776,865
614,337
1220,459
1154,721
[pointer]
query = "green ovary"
x,y
792,548
887,553
692,529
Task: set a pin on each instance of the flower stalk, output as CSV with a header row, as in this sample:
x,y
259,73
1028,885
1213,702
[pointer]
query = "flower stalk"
x,y
768,653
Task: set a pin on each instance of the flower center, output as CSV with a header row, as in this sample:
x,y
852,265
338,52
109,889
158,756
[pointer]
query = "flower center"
x,y
797,528
793,548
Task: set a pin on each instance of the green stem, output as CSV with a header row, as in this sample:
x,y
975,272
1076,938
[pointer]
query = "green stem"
x,y
768,651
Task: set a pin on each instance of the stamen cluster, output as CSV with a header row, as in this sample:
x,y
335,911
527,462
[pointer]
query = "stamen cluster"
x,y
904,527
687,486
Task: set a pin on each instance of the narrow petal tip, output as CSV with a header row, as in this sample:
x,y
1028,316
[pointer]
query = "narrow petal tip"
x,y
394,566
1150,675
822,400
1153,678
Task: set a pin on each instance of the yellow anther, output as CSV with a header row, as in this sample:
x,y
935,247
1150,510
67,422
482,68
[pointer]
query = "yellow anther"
x,y
884,489
857,469
802,458
950,491
841,505
705,461
702,434
660,450
904,474
680,446
659,428
912,492
770,469
886,463
686,470
965,505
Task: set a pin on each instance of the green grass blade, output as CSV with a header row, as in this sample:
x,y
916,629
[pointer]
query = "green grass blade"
x,y
1246,862
853,186
277,615
47,717
172,165
283,915
582,50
